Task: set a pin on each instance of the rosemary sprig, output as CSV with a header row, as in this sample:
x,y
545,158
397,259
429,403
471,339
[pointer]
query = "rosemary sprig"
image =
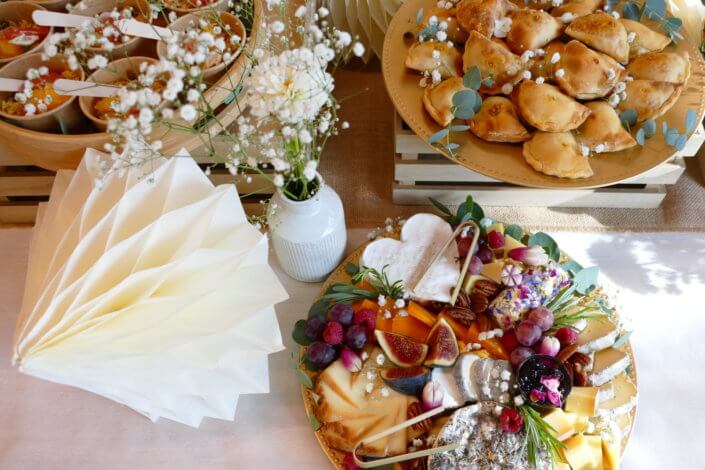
x,y
380,282
539,435
570,319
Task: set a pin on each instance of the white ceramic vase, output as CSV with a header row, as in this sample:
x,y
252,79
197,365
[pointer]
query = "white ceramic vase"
x,y
308,236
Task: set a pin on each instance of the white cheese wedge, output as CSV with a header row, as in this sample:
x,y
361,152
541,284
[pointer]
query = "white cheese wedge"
x,y
511,243
463,375
624,422
583,401
452,395
562,423
625,398
584,452
608,364
493,271
611,449
471,280
599,333
605,392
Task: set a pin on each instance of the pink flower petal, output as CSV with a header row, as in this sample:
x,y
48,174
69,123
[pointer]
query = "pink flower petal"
x,y
551,383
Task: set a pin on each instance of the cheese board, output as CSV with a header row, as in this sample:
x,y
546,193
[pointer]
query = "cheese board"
x,y
383,355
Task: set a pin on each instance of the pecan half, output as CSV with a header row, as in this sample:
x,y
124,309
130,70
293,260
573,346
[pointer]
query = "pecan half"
x,y
462,311
413,411
582,359
567,352
488,288
579,375
479,302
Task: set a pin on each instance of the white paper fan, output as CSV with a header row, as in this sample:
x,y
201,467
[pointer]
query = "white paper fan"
x,y
366,18
152,290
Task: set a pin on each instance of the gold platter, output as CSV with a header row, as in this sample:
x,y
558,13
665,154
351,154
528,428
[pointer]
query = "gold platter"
x,y
505,161
340,275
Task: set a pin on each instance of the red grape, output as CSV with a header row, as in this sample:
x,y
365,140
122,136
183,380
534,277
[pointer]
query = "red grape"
x,y
566,336
485,254
356,337
320,354
519,355
314,327
342,313
463,245
542,316
476,265
528,333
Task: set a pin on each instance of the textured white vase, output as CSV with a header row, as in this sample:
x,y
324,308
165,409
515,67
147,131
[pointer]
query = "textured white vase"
x,y
308,236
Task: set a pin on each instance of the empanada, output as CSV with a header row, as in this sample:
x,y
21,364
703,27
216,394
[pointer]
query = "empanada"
x,y
497,121
650,99
480,15
532,29
541,65
604,127
493,60
587,74
645,39
602,32
556,154
438,100
661,66
576,8
420,57
547,109
447,15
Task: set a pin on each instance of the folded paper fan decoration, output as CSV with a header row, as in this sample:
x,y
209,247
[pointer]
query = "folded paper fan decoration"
x,y
151,289
368,19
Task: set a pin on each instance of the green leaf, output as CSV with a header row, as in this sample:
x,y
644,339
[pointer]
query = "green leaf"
x,y
572,266
680,142
586,280
419,16
655,9
62,125
304,378
649,128
622,339
440,206
628,118
351,269
464,102
462,210
299,333
229,99
547,243
313,421
478,102
514,231
691,121
640,138
459,127
672,25
310,365
435,138
631,11
473,78
319,307
664,127
453,146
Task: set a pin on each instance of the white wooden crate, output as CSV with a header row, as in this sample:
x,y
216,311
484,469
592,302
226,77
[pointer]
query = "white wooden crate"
x,y
420,172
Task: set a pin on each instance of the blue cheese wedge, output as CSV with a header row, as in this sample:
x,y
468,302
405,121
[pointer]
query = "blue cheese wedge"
x,y
599,333
607,365
625,398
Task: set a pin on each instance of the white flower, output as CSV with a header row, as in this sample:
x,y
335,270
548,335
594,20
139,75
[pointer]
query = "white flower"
x,y
310,170
323,12
146,116
613,100
97,62
345,125
192,95
358,49
631,36
559,73
305,136
187,112
278,181
507,88
300,12
585,150
599,148
540,80
277,27
526,75
555,58
440,35
30,109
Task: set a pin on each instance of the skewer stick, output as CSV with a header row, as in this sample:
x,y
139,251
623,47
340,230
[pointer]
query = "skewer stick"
x,y
80,88
126,26
11,84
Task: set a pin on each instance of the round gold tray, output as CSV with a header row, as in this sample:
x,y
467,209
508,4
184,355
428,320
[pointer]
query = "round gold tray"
x,y
58,151
340,275
505,161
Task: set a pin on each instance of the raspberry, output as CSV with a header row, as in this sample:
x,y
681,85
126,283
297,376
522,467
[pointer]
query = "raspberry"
x,y
333,334
509,340
367,318
349,463
495,239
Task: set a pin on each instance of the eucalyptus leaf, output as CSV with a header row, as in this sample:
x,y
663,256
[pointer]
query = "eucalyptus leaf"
x,y
488,81
514,231
631,11
464,112
655,9
640,138
313,421
464,98
440,206
681,141
319,307
435,138
352,269
586,280
572,267
477,212
304,378
461,211
649,128
546,242
229,99
691,120
664,127
473,78
628,118
453,146
622,339
459,127
299,333
478,102
419,16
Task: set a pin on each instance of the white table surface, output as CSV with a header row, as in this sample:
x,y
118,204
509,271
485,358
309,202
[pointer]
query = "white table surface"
x,y
662,283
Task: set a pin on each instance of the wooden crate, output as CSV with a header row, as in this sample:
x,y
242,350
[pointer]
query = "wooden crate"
x,y
420,172
23,187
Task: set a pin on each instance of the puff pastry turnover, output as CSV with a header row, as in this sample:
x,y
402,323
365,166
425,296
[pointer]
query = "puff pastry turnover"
x,y
661,66
547,109
532,29
438,100
480,15
420,57
645,38
497,121
577,8
602,32
604,127
541,66
587,74
556,154
649,98
494,60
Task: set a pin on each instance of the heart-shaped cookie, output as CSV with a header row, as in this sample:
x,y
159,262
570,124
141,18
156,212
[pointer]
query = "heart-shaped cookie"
x,y
422,236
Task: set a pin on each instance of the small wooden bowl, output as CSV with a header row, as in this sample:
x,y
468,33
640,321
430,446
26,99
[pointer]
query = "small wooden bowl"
x,y
16,11
54,5
67,113
218,5
121,69
236,27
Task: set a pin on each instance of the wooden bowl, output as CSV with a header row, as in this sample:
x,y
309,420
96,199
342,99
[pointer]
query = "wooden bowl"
x,y
192,18
121,69
219,5
54,5
67,113
16,11
66,151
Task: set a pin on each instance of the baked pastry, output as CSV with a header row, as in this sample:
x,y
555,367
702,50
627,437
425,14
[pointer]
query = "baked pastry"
x,y
547,109
645,39
420,57
481,15
541,65
604,127
602,32
438,100
576,8
556,154
493,60
587,74
497,121
661,66
453,30
532,29
650,99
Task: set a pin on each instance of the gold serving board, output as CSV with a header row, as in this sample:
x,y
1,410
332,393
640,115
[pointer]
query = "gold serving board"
x,y
504,161
340,275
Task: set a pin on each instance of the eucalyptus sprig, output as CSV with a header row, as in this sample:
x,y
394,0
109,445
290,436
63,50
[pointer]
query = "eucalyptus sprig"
x,y
654,10
539,435
467,210
380,282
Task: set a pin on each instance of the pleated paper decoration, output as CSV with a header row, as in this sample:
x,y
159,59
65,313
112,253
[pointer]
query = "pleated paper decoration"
x,y
367,19
152,290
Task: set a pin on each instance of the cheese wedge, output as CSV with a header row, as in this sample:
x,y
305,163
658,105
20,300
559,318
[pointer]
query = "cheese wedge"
x,y
497,226
607,365
452,395
493,271
624,422
599,333
584,452
562,423
511,243
560,466
605,392
625,398
583,401
610,454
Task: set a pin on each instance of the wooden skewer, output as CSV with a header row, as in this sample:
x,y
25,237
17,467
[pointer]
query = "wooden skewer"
x,y
80,88
126,26
11,84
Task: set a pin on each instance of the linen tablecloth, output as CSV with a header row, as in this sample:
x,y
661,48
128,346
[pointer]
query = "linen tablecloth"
x,y
661,277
